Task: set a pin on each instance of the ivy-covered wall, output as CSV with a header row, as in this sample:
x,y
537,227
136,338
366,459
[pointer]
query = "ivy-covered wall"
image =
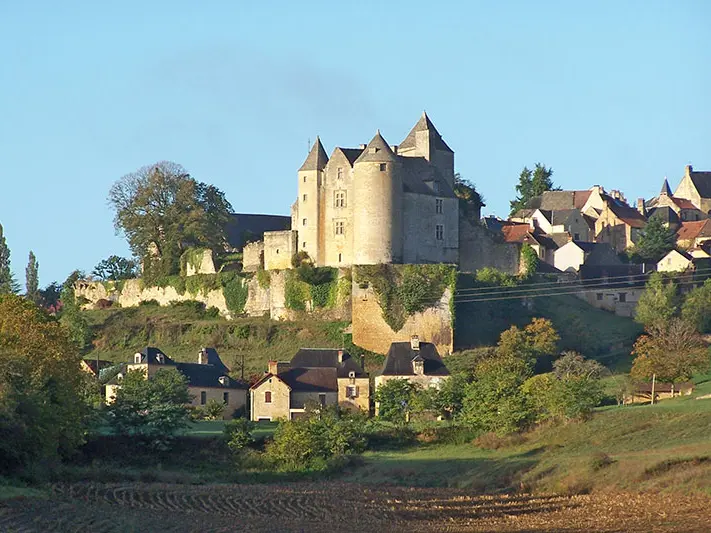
x,y
393,302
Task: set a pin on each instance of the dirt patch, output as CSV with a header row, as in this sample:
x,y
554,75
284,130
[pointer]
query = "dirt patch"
x,y
328,507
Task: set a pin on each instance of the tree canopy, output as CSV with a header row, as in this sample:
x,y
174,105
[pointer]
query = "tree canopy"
x,y
470,201
42,387
162,211
655,241
115,268
32,279
8,285
659,302
532,183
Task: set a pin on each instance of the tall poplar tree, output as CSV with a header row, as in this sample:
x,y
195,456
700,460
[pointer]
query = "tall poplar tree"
x,y
32,279
8,285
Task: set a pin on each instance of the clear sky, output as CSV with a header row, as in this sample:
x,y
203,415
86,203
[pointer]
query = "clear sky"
x,y
615,93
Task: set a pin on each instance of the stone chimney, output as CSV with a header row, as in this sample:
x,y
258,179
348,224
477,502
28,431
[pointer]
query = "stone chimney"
x,y
640,207
361,146
688,170
202,357
415,343
393,147
362,362
340,356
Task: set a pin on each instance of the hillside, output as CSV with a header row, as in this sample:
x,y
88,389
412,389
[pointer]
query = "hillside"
x,y
664,447
180,331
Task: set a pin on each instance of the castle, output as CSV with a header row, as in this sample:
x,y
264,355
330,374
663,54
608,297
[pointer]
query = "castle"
x,y
373,204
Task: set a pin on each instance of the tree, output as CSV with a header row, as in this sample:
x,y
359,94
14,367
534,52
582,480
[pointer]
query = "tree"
x,y
494,400
655,241
538,339
529,259
563,398
470,201
115,268
394,399
32,279
659,302
672,350
71,316
163,211
42,388
152,409
532,183
697,307
573,365
8,285
49,297
238,434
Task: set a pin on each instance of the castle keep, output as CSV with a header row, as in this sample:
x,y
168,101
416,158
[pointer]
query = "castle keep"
x,y
373,204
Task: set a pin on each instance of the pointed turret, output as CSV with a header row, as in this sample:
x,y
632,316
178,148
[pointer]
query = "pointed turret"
x,y
377,151
317,158
665,188
424,125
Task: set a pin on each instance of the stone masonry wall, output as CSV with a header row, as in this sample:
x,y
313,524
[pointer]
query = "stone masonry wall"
x,y
479,248
370,331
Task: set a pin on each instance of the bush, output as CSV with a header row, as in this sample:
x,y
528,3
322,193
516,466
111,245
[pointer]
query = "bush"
x,y
238,434
395,400
103,303
149,303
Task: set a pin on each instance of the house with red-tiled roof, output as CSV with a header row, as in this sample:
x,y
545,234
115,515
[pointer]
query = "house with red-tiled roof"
x,y
682,207
695,186
693,234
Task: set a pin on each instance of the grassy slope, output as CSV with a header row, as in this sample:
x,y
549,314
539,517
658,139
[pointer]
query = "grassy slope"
x,y
180,333
661,447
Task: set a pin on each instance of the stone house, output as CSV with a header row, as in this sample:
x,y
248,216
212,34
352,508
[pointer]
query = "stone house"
x,y
208,379
693,234
317,376
94,366
614,288
619,225
573,254
571,222
415,361
675,261
695,186
682,207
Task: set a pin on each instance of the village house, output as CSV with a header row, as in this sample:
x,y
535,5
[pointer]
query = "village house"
x,y
94,366
684,209
414,361
569,222
208,379
314,375
614,288
619,225
693,234
695,186
573,254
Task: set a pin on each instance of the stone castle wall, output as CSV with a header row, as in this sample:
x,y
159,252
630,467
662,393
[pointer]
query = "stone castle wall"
x,y
479,248
370,331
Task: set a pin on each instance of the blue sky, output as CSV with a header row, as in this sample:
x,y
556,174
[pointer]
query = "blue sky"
x,y
610,93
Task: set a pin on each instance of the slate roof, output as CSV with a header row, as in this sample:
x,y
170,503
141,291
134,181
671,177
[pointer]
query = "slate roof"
x,y
149,355
694,230
666,213
665,188
243,227
208,376
559,200
310,379
702,182
416,171
317,158
328,358
351,153
377,151
398,362
425,124
629,215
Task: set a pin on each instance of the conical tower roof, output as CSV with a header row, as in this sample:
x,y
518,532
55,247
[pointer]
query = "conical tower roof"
x,y
665,188
377,151
317,158
425,124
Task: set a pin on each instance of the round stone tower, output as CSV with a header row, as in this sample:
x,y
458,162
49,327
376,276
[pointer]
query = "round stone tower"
x,y
377,205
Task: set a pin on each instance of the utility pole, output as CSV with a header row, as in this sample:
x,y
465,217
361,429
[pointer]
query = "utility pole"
x,y
654,378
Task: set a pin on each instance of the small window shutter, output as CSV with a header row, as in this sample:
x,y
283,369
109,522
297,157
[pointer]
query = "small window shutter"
x,y
356,391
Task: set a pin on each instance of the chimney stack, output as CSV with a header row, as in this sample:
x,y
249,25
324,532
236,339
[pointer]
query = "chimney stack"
x,y
202,356
273,367
415,343
362,362
340,356
640,207
688,170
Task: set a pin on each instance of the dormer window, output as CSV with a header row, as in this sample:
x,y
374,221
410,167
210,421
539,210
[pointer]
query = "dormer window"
x,y
418,366
373,150
160,358
351,374
137,358
224,380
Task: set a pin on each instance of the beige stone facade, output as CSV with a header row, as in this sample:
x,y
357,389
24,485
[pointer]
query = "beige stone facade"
x,y
689,188
279,247
354,393
270,400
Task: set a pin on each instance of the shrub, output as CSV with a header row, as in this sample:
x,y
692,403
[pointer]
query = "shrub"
x,y
103,303
600,460
238,434
395,399
149,303
214,410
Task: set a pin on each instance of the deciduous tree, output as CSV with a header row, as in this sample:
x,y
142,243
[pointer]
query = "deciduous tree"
x,y
659,302
395,400
655,242
115,268
697,307
671,350
470,201
162,211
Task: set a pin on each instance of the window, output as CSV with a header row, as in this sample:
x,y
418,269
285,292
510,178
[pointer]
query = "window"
x,y
352,391
383,167
340,257
599,296
203,397
340,173
225,397
268,397
160,358
322,399
623,297
137,358
303,222
439,232
339,199
304,179
438,206
339,227
303,244
304,198
576,236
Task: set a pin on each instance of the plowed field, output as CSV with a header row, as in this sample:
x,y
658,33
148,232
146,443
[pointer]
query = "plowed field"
x,y
341,507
